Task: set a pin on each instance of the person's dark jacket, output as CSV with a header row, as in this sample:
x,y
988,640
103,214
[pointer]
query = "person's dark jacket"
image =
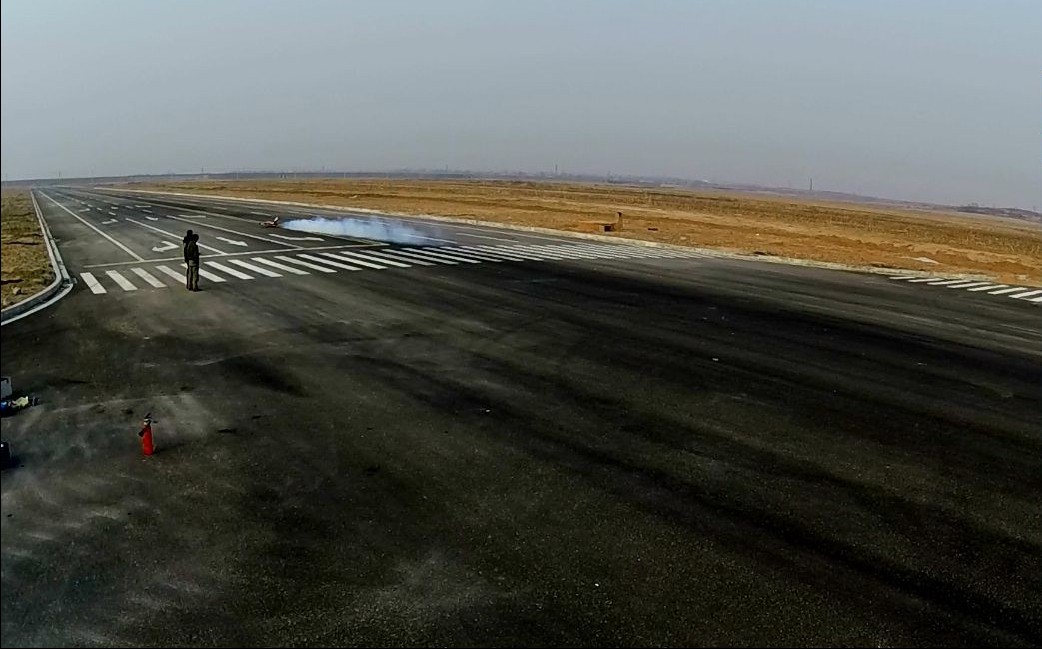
x,y
191,252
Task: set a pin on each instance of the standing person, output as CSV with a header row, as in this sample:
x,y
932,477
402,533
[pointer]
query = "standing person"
x,y
191,252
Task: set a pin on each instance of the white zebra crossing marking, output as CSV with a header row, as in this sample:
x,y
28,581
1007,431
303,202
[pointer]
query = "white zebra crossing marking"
x,y
945,282
291,260
226,270
545,253
123,282
390,255
275,264
430,259
152,281
254,268
326,261
510,251
1006,290
172,273
382,260
988,287
474,255
367,264
427,252
334,264
501,255
213,277
1021,296
92,283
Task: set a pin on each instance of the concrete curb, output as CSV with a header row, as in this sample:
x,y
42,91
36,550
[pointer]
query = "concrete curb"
x,y
709,252
57,289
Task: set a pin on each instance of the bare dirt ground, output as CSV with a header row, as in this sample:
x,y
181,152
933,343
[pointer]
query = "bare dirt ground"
x,y
1004,249
24,266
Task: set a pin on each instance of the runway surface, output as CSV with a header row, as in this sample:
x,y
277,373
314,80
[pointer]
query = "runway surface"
x,y
478,436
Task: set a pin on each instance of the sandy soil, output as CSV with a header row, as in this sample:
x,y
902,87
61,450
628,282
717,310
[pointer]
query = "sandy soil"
x,y
24,266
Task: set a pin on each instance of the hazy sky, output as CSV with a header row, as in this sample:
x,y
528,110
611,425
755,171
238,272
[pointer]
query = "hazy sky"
x,y
936,101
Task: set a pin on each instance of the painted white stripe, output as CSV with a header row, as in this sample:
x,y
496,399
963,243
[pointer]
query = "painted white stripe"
x,y
583,252
1035,299
610,251
367,264
371,257
1002,291
579,252
574,252
922,279
541,251
1021,296
595,251
905,277
254,268
475,255
143,274
945,282
92,227
92,283
435,253
335,264
509,250
967,284
989,286
498,255
275,264
321,269
434,259
123,282
227,270
213,277
391,255
172,273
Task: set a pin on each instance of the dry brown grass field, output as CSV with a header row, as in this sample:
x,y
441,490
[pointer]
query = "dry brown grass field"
x,y
1007,250
24,265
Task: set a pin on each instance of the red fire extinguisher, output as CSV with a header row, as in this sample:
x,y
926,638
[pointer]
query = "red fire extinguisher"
x,y
146,436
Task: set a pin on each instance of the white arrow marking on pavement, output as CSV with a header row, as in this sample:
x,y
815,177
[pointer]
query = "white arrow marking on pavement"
x,y
166,246
279,236
233,241
109,221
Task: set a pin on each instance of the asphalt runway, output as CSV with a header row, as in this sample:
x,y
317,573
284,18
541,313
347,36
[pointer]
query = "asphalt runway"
x,y
504,438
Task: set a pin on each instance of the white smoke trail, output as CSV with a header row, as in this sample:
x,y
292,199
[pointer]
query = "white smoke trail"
x,y
361,228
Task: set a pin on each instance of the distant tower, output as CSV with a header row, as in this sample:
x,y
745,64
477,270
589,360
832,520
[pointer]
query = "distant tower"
x,y
811,184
